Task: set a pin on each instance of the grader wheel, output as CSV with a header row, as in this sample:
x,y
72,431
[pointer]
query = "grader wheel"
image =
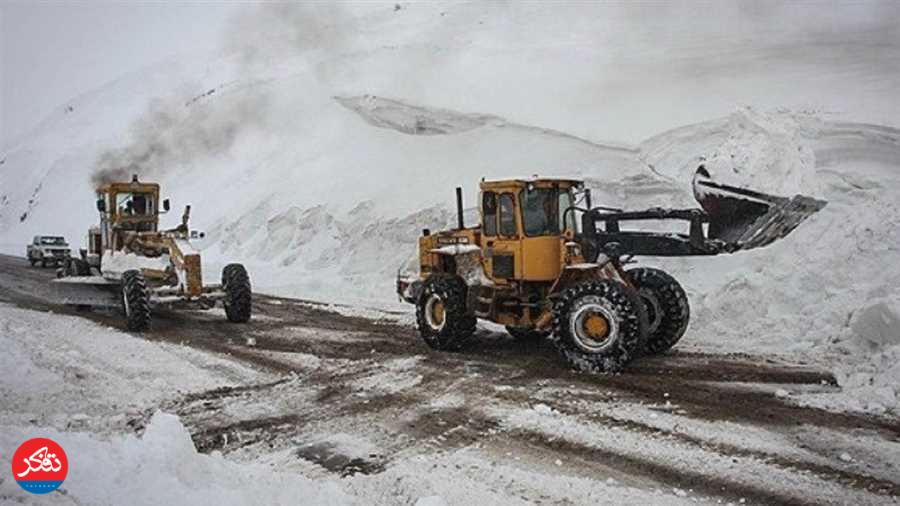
x,y
135,300
238,299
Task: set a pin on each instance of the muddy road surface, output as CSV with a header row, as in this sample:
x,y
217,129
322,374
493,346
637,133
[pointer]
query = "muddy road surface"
x,y
717,428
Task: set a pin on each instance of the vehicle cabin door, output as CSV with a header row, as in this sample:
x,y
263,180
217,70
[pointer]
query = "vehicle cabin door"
x,y
501,242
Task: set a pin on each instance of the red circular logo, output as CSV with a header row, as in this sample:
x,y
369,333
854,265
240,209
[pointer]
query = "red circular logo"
x,y
40,465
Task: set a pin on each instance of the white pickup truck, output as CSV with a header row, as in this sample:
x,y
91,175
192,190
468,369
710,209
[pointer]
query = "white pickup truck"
x,y
48,250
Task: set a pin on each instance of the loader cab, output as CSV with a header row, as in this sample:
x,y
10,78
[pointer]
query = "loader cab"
x,y
127,207
524,227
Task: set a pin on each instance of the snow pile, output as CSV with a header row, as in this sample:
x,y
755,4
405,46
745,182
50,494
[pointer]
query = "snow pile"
x,y
829,286
60,367
875,381
163,467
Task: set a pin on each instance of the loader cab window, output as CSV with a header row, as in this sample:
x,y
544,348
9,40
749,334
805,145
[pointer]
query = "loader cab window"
x,y
567,200
540,211
543,210
489,213
507,215
134,204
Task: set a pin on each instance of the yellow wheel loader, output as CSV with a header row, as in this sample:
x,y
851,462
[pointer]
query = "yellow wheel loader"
x,y
543,265
130,263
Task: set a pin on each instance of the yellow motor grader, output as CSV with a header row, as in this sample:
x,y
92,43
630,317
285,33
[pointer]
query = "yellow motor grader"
x,y
129,261
543,265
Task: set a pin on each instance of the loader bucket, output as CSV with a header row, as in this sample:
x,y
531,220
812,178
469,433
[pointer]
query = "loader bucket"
x,y
746,219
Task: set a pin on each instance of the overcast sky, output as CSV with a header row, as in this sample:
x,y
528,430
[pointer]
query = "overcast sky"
x,y
51,52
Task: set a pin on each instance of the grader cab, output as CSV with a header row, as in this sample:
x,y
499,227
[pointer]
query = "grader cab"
x,y
130,258
544,263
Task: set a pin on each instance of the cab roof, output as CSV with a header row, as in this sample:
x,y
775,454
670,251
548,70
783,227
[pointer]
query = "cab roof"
x,y
133,186
535,180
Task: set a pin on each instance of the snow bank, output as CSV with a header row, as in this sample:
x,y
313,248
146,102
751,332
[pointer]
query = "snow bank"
x,y
828,291
163,467
61,368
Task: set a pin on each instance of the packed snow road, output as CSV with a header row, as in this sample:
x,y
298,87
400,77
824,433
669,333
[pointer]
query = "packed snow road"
x,y
365,402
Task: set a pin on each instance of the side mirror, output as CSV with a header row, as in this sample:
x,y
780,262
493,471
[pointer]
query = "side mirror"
x,y
166,205
101,205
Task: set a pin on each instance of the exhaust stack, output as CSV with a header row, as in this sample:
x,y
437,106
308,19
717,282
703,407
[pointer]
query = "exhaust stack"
x,y
459,208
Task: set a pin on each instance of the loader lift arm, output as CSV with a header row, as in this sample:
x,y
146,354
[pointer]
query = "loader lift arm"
x,y
729,219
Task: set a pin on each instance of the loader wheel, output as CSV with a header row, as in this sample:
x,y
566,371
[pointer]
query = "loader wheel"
x,y
526,335
441,315
668,310
32,261
238,294
599,326
135,300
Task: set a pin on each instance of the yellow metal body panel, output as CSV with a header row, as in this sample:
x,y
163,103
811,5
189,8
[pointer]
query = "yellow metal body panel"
x,y
540,258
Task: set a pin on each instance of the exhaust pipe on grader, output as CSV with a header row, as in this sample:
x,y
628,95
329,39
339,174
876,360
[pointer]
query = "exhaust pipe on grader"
x,y
130,262
535,267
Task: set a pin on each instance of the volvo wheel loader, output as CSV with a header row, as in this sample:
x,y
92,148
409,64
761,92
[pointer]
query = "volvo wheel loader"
x,y
543,265
131,263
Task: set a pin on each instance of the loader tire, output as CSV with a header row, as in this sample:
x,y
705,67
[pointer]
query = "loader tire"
x,y
135,301
599,325
668,309
238,299
32,261
525,335
441,314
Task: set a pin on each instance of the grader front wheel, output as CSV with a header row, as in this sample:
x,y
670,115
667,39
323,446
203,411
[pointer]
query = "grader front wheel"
x,y
135,300
238,299
599,326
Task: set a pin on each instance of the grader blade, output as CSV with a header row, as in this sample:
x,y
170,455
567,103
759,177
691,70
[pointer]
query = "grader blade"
x,y
746,219
94,291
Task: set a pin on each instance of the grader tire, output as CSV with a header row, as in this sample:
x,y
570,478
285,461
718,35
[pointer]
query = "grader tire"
x,y
135,301
238,299
441,315
668,309
599,326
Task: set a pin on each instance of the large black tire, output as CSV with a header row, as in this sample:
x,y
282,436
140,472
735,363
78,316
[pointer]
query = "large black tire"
x,y
135,300
238,299
526,335
599,325
32,261
443,320
668,309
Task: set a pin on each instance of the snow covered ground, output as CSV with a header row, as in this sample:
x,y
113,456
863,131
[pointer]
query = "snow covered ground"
x,y
316,156
85,385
